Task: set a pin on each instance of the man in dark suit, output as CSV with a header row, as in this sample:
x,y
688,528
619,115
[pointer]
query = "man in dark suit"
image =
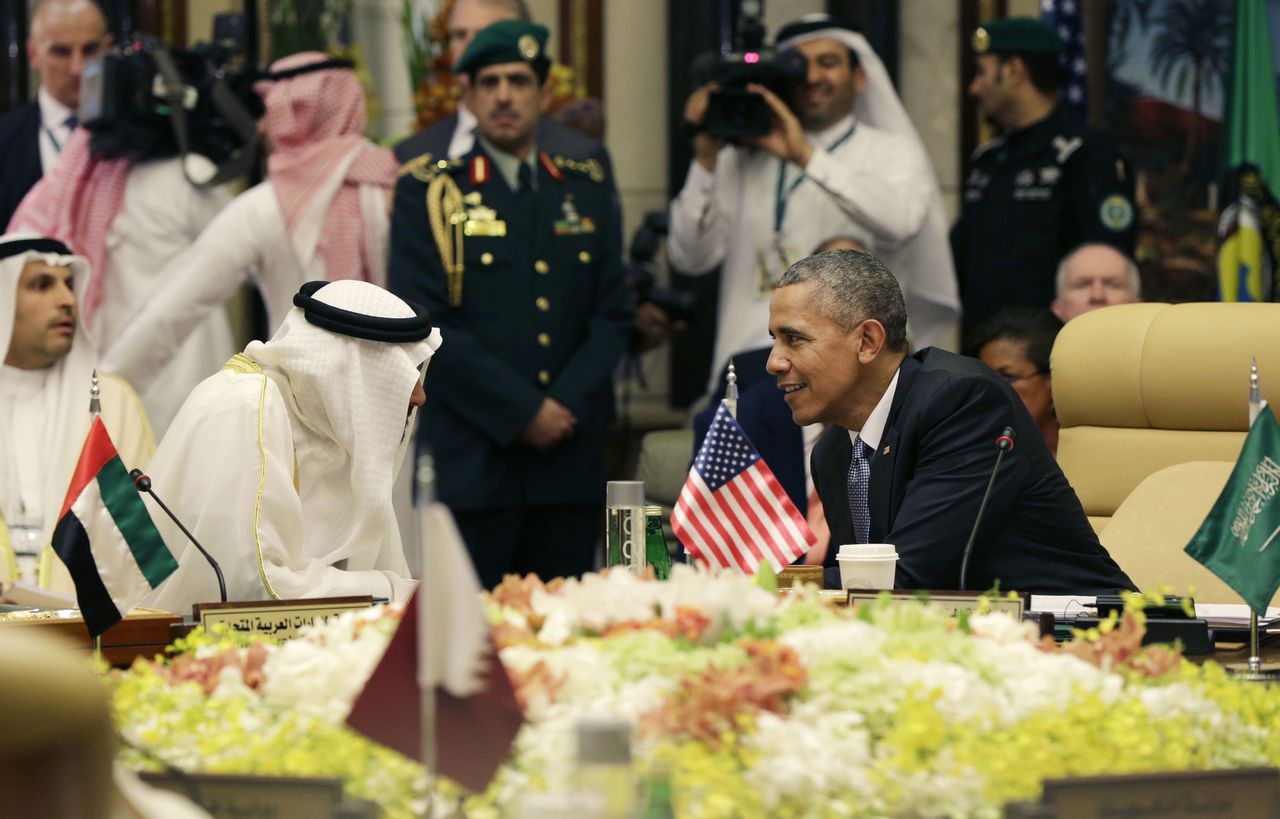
x,y
65,34
515,254
924,427
453,136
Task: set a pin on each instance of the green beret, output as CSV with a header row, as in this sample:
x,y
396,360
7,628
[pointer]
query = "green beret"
x,y
1014,35
508,41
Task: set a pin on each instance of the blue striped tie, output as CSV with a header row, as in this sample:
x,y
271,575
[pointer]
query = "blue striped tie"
x,y
859,478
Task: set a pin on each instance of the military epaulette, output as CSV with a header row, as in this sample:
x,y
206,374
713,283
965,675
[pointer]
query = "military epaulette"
x,y
986,147
423,168
591,168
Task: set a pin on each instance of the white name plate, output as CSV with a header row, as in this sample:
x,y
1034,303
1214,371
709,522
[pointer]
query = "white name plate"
x,y
955,602
275,618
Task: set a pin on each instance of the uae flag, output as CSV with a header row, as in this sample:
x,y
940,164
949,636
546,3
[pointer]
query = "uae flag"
x,y
106,537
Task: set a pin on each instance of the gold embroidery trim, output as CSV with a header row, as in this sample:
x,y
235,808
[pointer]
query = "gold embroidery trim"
x,y
7,554
241,363
262,473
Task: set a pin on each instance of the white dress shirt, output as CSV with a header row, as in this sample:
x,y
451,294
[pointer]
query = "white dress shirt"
x,y
464,133
54,129
873,430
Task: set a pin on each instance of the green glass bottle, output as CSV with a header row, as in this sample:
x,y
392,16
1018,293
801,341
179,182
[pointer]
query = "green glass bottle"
x,y
655,543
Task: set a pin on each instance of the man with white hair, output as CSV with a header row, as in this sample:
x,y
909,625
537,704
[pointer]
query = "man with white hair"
x,y
843,159
65,35
1094,275
282,463
45,385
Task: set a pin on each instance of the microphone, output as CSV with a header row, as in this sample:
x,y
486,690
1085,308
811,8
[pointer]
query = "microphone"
x,y
143,484
1004,443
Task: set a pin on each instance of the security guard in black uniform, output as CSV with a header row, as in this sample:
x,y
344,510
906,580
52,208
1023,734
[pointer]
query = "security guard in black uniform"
x,y
516,253
1048,185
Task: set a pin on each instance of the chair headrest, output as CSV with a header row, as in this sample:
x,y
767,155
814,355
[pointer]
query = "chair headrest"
x,y
1165,366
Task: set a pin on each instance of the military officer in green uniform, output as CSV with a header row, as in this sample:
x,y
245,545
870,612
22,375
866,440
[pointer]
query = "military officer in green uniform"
x,y
516,253
1048,184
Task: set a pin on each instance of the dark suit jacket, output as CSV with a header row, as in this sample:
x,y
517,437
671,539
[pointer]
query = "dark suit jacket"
x,y
764,415
20,150
544,312
927,481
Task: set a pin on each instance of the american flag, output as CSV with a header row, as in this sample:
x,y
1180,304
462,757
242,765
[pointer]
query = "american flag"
x,y
1066,17
732,512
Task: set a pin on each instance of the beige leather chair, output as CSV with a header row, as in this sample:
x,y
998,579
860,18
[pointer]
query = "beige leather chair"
x,y
665,456
1149,531
1141,387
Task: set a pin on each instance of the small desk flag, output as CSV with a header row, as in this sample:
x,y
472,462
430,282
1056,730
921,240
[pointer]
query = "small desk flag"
x,y
106,537
1240,539
732,512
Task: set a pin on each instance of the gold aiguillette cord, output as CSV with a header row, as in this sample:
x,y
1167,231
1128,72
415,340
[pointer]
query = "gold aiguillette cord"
x,y
447,214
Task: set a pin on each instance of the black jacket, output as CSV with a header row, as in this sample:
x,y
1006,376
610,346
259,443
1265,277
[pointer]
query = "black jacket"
x,y
927,480
544,312
20,149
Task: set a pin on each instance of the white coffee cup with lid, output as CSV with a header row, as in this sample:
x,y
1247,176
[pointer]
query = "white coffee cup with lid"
x,y
867,565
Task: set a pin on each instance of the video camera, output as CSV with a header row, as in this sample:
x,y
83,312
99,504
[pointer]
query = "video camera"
x,y
733,112
677,304
145,100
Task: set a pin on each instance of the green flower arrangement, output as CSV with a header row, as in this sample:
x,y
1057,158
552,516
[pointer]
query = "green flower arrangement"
x,y
748,703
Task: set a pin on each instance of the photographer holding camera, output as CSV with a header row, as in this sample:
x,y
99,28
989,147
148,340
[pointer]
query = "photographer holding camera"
x,y
124,194
840,158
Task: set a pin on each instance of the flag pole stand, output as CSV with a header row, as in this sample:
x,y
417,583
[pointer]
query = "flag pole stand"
x,y
1254,670
425,477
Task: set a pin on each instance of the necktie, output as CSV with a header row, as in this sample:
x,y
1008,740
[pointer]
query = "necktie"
x,y
525,177
859,477
71,122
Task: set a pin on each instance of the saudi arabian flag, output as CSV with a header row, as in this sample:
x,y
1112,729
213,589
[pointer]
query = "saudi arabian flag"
x,y
1240,539
1249,228
105,536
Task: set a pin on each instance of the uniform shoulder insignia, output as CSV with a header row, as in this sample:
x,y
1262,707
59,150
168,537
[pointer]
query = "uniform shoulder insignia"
x,y
590,168
424,168
984,148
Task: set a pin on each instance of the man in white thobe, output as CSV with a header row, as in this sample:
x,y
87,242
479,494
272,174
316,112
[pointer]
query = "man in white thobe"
x,y
282,463
45,387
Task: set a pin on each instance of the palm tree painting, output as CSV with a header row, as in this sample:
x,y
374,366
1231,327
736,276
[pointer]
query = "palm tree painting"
x,y
1191,52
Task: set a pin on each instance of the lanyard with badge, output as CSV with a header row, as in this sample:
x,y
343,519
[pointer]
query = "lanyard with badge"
x,y
766,280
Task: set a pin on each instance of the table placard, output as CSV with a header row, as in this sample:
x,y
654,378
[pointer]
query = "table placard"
x,y
954,601
275,618
227,796
1244,793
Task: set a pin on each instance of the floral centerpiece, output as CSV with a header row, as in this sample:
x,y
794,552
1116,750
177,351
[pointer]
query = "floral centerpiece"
x,y
749,703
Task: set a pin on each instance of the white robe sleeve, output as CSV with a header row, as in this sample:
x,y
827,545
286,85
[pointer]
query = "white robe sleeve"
x,y
226,468
196,282
699,224
886,187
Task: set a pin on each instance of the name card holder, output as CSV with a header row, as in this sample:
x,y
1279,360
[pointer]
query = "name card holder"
x,y
1244,793
956,601
275,618
228,796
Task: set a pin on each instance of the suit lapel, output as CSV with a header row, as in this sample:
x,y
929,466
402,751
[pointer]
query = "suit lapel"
x,y
880,485
880,495
834,481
